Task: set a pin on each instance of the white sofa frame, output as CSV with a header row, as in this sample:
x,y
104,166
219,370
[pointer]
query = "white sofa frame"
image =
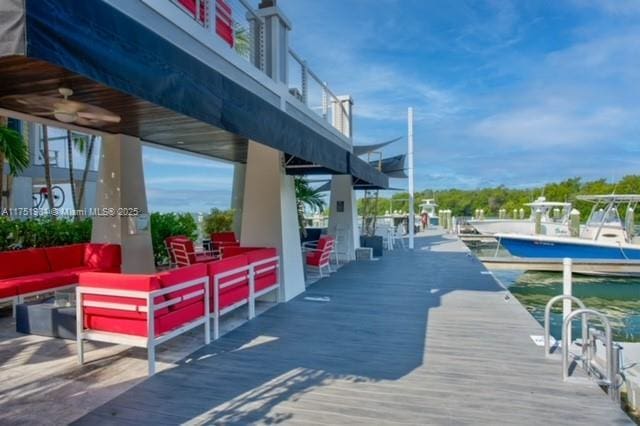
x,y
249,272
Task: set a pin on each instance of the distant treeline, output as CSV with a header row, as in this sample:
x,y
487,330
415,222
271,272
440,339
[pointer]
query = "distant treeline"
x,y
465,202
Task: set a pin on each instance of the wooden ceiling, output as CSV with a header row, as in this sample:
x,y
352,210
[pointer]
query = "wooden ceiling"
x,y
20,75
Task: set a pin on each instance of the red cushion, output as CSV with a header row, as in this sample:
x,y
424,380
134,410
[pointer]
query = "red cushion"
x,y
231,295
41,282
144,283
235,292
204,258
230,251
179,276
23,262
8,289
65,257
106,257
265,281
266,274
138,327
221,237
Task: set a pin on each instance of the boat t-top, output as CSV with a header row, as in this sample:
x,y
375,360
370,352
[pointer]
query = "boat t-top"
x,y
554,220
604,236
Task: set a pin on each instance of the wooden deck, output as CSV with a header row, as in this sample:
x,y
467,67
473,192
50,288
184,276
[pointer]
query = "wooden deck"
x,y
416,338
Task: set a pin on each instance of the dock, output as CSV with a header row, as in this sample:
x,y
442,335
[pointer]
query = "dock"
x,y
422,337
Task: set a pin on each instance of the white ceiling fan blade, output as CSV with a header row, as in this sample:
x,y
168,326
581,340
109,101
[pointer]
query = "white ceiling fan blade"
x,y
110,118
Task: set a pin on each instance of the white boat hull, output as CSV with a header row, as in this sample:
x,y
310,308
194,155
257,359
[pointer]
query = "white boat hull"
x,y
513,226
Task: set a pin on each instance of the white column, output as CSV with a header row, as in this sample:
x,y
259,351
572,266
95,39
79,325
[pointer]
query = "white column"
x,y
269,215
412,215
343,215
237,193
343,208
121,186
567,290
21,189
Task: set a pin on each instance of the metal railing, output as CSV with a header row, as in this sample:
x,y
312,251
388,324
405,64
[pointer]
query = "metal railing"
x,y
608,375
547,321
246,25
249,43
315,93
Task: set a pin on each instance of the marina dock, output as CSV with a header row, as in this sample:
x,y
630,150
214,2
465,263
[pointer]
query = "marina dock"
x,y
422,337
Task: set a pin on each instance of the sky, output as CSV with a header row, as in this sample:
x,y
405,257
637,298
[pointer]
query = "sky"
x,y
514,93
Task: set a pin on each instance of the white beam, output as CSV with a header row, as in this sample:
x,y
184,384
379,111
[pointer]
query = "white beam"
x,y
411,188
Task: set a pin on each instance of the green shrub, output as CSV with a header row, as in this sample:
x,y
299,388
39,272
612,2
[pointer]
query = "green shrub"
x,y
164,225
42,232
218,221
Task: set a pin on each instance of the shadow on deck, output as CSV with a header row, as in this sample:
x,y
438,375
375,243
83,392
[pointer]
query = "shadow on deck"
x,y
367,355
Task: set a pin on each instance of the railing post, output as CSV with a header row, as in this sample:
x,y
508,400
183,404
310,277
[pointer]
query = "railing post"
x,y
567,290
325,101
304,78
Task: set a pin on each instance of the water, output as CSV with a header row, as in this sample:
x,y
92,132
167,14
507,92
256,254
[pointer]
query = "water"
x,y
618,298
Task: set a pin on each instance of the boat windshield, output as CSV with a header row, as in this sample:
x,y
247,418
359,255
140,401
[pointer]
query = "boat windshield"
x,y
609,217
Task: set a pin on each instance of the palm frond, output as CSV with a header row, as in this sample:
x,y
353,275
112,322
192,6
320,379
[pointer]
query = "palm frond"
x,y
14,150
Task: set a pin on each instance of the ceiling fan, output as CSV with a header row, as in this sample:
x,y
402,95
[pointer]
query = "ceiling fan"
x,y
63,109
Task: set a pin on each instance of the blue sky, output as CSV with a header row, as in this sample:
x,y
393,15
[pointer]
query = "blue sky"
x,y
505,92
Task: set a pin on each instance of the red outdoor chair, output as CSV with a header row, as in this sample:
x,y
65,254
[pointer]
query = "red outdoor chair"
x,y
185,254
318,254
220,240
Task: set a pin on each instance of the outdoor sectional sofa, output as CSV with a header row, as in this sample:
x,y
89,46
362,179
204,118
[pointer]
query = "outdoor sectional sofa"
x,y
35,271
116,308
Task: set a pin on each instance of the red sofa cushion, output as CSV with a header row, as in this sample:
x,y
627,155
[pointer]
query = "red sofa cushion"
x,y
23,262
8,289
234,294
224,237
230,296
236,250
41,282
138,327
106,257
65,257
266,274
179,276
144,283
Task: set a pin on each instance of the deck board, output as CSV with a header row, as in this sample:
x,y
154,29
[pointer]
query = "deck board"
x,y
414,338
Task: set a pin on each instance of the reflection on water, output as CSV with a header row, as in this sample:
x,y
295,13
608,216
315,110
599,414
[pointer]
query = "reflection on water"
x,y
618,298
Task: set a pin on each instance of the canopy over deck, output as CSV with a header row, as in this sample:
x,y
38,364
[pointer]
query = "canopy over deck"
x,y
167,87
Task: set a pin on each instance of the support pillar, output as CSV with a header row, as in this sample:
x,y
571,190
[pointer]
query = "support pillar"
x,y
343,208
121,186
276,36
343,216
269,215
237,192
21,189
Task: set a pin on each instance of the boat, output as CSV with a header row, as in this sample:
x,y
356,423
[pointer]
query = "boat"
x,y
605,236
554,220
428,207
